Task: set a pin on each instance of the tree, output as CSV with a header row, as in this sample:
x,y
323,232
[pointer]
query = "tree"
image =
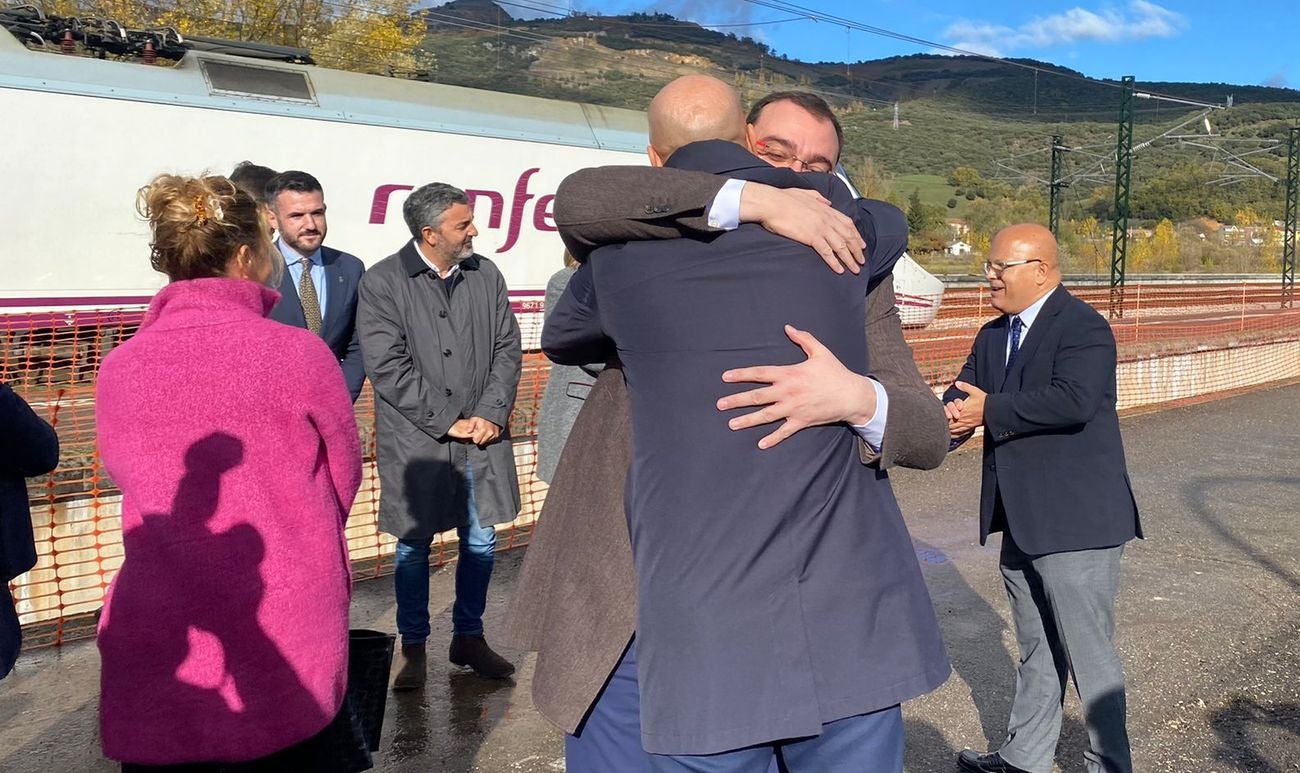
x,y
965,177
915,213
376,36
1164,247
1138,257
871,179
952,203
1247,216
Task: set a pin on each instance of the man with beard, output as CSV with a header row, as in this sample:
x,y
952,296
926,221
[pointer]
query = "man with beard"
x,y
442,350
318,290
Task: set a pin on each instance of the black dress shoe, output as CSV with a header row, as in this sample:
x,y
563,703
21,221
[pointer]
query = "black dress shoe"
x,y
971,760
473,651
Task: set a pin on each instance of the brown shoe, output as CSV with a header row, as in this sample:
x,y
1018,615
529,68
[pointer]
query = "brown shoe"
x,y
414,669
473,651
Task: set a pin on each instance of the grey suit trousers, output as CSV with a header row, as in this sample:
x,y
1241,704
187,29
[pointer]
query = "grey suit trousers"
x,y
1063,606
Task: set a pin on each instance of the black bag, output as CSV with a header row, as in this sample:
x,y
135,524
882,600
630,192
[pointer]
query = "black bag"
x,y
370,658
346,743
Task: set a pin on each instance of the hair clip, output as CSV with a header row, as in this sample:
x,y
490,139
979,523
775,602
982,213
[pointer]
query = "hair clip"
x,y
200,211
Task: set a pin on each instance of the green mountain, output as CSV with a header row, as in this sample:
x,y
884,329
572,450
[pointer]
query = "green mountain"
x,y
996,116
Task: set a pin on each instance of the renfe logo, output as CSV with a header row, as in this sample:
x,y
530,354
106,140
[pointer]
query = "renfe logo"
x,y
543,217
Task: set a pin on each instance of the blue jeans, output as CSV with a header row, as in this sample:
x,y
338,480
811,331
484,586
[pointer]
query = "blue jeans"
x,y
473,573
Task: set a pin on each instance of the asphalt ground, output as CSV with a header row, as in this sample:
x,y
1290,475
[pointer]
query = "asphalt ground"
x,y
1208,625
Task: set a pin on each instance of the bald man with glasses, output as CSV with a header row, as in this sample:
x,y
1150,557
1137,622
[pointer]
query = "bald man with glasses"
x,y
1040,380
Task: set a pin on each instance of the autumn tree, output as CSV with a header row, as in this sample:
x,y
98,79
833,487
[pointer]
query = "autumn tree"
x,y
1247,217
376,36
871,179
1164,247
965,177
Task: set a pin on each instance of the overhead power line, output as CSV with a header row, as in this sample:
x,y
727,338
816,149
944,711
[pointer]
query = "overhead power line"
x,y
815,15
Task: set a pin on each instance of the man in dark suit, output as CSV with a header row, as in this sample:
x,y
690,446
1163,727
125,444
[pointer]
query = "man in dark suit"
x,y
1040,380
576,600
28,447
779,596
319,287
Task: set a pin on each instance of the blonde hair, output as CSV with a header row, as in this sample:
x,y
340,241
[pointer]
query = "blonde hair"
x,y
199,224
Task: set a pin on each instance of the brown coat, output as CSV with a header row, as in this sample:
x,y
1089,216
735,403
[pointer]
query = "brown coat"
x,y
576,600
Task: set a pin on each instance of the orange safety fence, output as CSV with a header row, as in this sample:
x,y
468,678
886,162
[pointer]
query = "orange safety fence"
x,y
1177,343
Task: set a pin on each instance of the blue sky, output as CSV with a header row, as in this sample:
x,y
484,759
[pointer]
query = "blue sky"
x,y
1247,42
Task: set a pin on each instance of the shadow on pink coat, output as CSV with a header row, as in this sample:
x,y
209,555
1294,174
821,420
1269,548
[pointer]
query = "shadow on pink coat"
x,y
232,439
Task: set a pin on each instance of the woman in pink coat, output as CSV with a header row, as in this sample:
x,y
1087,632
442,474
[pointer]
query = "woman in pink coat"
x,y
224,635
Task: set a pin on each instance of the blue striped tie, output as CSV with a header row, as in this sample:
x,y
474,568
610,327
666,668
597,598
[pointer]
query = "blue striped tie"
x,y
1016,327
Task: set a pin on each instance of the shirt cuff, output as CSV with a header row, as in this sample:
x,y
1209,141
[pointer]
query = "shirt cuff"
x,y
724,211
873,432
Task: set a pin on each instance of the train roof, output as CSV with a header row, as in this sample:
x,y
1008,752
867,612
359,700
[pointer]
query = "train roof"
x,y
221,82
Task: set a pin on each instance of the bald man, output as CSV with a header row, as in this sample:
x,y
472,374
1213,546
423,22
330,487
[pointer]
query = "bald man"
x,y
1040,380
781,611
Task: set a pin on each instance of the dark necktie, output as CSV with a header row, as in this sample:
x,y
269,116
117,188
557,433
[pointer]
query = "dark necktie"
x,y
1016,327
307,295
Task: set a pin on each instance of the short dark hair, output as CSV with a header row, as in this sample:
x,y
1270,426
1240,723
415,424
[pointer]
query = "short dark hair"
x,y
427,204
805,99
252,178
298,182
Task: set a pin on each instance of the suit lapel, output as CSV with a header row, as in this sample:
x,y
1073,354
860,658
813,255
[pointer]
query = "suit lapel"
x,y
1037,331
998,356
335,280
290,308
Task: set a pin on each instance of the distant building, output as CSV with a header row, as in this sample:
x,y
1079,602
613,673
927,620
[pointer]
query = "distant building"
x,y
958,227
958,248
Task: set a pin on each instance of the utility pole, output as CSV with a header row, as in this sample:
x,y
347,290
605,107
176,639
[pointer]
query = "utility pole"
x,y
1055,185
895,116
1123,171
1288,232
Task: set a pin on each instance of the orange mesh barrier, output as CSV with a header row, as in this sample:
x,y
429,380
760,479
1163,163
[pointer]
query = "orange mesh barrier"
x,y
1177,343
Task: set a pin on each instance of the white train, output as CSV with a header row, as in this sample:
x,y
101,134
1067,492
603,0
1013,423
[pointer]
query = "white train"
x,y
83,134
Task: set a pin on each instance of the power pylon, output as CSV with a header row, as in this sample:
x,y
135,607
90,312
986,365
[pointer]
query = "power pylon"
x,y
1288,232
1055,184
1123,176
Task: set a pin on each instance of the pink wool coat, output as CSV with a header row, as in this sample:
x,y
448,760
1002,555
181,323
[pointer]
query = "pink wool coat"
x,y
232,439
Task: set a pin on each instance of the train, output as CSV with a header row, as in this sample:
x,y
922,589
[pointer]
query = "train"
x,y
84,133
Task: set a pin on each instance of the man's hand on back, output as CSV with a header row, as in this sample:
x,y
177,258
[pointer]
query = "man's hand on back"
x,y
819,390
805,216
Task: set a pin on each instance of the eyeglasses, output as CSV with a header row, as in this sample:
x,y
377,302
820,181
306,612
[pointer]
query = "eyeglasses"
x,y
778,156
996,269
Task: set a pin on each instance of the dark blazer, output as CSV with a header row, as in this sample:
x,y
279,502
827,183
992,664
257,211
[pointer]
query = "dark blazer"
x,y
777,590
1054,471
615,204
575,603
28,447
339,327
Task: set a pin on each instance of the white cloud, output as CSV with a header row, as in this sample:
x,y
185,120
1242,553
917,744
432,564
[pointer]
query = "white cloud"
x,y
1141,20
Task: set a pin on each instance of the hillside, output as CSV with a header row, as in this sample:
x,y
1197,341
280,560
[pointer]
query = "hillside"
x,y
954,111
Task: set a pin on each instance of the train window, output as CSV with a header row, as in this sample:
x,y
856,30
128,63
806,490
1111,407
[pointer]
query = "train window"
x,y
257,82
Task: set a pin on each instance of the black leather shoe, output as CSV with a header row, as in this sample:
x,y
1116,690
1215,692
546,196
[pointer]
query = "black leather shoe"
x,y
414,669
971,760
473,651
